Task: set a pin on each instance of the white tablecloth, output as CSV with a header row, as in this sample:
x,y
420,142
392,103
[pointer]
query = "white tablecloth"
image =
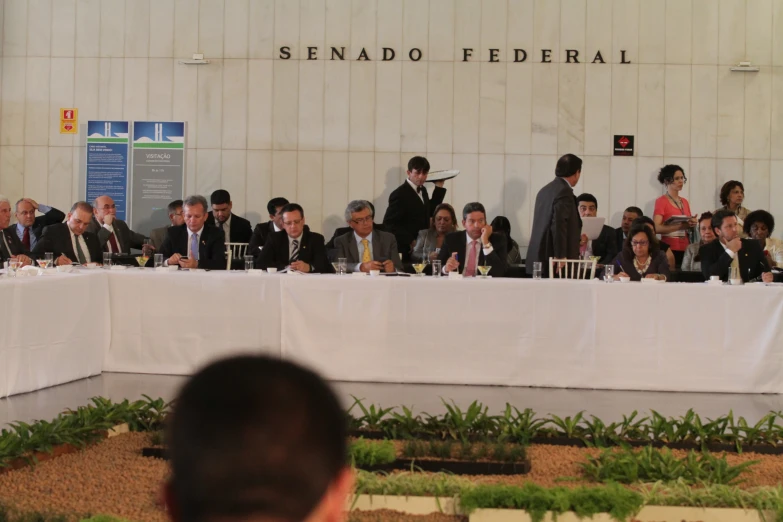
x,y
676,337
175,322
53,329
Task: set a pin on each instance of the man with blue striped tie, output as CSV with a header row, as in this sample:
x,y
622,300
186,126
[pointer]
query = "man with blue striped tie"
x,y
295,246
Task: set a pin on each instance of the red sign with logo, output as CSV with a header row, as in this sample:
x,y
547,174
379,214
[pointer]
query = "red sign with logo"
x,y
623,145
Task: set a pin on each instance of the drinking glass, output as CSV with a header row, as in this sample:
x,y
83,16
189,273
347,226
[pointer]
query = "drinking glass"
x,y
49,257
419,267
484,270
537,270
734,275
249,262
609,273
107,260
336,267
342,265
147,249
158,260
13,266
436,268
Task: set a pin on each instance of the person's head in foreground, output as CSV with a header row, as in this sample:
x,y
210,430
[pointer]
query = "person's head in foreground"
x,y
256,438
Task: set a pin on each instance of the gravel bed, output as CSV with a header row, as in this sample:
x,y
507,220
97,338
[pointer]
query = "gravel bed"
x,y
113,478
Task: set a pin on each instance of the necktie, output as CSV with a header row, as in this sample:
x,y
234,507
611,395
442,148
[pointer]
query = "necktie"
x,y
295,251
735,264
470,268
194,246
366,256
79,251
113,243
26,238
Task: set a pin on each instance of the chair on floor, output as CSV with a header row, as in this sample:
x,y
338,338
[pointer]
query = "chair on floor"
x,y
572,269
235,251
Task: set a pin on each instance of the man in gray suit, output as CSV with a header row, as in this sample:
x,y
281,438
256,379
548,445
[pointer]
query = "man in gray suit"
x,y
157,235
556,222
113,234
364,248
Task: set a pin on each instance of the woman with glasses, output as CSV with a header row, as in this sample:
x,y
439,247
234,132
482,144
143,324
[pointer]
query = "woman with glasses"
x,y
641,257
430,240
672,177
692,260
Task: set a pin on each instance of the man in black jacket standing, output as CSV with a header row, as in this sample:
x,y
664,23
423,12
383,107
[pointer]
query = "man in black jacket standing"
x,y
410,206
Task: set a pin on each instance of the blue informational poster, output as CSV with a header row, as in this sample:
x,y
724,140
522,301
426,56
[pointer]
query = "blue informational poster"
x,y
107,162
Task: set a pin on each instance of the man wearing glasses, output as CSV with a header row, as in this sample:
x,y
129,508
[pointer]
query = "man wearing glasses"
x,y
114,234
295,246
28,227
366,249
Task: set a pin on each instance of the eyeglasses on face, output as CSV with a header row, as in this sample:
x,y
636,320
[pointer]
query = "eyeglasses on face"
x,y
109,207
359,221
290,223
639,243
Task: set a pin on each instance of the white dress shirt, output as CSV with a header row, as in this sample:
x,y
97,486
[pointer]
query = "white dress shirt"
x,y
227,228
82,243
416,188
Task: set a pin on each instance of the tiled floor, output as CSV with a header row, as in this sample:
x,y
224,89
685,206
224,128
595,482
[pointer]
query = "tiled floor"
x,y
608,405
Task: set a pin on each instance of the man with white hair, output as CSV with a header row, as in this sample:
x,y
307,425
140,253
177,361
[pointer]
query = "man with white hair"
x,y
29,228
114,234
10,245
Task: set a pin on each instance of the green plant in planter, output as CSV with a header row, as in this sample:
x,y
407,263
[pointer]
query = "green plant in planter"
x,y
372,417
567,427
518,426
403,425
474,421
365,453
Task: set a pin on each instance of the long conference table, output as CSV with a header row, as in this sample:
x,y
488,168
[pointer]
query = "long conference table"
x,y
509,332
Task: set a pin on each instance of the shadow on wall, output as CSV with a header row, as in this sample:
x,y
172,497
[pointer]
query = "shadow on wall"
x,y
393,178
254,217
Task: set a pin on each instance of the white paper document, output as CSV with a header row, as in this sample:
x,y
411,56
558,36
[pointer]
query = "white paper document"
x,y
591,227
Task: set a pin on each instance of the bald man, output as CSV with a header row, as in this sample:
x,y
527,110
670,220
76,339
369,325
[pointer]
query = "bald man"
x,y
114,234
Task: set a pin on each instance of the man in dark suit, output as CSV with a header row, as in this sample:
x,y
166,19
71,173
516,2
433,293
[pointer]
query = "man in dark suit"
x,y
604,246
267,228
194,245
70,242
236,229
28,227
344,230
486,247
157,235
732,251
114,234
620,234
556,222
410,207
364,247
10,245
296,247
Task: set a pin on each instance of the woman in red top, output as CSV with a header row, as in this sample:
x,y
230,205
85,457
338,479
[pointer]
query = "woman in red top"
x,y
671,204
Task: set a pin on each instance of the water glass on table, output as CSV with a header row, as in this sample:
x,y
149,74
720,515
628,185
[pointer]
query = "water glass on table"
x,y
436,268
249,263
158,260
13,266
734,275
609,273
342,266
107,260
537,270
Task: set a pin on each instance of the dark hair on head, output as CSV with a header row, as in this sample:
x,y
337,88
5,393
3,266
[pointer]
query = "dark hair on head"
x,y
636,210
503,225
639,227
192,201
220,197
568,165
450,209
719,216
706,215
419,163
666,174
174,205
81,205
274,204
474,206
254,437
759,216
588,198
726,189
643,220
292,207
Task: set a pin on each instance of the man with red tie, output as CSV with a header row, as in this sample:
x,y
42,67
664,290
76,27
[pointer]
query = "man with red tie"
x,y
114,234
465,251
28,227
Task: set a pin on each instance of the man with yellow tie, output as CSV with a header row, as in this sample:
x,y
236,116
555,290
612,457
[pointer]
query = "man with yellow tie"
x,y
366,249
730,251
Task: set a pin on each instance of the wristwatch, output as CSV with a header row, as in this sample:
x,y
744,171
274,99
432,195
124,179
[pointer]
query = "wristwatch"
x,y
488,245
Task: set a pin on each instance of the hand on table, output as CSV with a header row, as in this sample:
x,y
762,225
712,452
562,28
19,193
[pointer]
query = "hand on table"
x,y
23,259
621,274
301,266
63,260
388,266
767,277
187,262
371,265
